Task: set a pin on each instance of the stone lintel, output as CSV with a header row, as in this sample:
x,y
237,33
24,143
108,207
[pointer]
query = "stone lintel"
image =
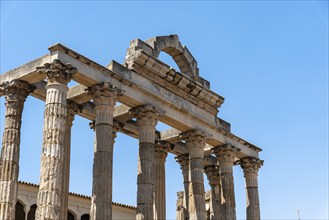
x,y
121,113
91,73
141,62
27,72
171,113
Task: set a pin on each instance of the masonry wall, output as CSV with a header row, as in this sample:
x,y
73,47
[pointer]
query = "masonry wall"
x,y
78,205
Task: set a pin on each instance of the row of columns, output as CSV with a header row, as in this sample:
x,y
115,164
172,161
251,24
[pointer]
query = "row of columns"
x,y
220,178
55,157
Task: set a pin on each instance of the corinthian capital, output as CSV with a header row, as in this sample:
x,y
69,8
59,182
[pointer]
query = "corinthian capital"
x,y
195,135
72,109
250,164
104,93
183,160
146,115
58,71
212,173
162,148
225,153
16,90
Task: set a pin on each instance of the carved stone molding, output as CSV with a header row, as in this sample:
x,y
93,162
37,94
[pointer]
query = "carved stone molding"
x,y
16,90
72,109
117,126
58,71
183,160
212,173
194,136
195,142
251,163
104,93
225,153
146,115
162,148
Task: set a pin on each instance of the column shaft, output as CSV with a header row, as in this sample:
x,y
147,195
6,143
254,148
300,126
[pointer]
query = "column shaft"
x,y
180,207
15,93
195,142
105,96
51,187
225,155
184,163
147,118
212,173
161,152
250,166
72,109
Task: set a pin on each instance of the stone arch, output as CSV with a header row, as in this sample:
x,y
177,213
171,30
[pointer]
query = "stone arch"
x,y
20,210
71,215
85,217
31,213
171,45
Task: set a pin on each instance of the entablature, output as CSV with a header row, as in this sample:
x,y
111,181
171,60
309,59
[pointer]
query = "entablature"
x,y
180,112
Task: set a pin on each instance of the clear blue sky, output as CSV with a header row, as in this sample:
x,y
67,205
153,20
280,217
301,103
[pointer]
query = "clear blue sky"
x,y
269,59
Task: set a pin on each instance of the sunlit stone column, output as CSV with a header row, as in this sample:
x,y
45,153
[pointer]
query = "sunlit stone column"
x,y
195,143
184,162
161,152
212,173
72,109
225,155
51,187
147,118
250,166
104,96
15,93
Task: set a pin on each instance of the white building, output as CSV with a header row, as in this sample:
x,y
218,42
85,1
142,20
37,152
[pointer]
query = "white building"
x,y
78,209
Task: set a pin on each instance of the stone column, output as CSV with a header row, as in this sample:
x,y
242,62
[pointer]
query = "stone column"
x,y
159,206
195,143
147,118
250,166
225,155
72,109
51,187
15,93
184,162
212,173
180,207
104,96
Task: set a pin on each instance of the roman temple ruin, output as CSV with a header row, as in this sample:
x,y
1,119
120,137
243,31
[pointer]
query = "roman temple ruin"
x,y
149,91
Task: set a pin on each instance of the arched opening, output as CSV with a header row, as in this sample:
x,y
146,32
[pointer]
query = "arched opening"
x,y
70,216
85,217
166,58
19,213
31,214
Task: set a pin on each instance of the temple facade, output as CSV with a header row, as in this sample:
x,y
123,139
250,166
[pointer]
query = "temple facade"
x,y
148,91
